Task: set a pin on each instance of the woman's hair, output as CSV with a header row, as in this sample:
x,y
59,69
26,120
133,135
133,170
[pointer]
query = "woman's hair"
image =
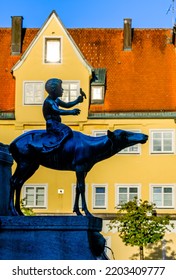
x,y
50,85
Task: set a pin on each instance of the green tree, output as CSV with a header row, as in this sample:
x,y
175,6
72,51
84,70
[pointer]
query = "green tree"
x,y
26,210
138,224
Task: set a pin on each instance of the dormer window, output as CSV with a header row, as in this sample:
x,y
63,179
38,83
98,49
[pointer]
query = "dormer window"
x,y
98,86
52,50
97,94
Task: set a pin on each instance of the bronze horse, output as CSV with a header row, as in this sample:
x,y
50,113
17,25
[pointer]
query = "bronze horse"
x,y
79,154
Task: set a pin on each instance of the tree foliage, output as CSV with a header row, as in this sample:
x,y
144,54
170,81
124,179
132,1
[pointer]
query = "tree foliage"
x,y
138,224
26,210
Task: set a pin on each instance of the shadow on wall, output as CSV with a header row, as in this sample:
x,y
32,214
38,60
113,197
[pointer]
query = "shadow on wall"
x,y
159,251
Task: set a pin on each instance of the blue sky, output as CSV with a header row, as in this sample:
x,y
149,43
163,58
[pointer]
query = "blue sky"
x,y
91,13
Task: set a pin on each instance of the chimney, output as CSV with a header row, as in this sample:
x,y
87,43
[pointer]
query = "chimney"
x,y
127,35
174,35
16,35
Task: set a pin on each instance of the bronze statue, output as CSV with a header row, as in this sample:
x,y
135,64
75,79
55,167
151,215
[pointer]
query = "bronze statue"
x,y
52,113
60,148
79,154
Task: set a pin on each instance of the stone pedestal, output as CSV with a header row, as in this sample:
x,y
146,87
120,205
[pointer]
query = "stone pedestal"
x,y
51,238
6,162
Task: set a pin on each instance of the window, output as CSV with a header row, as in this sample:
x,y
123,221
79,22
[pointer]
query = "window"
x,y
100,196
126,193
52,50
98,85
97,94
74,194
35,196
162,196
162,141
98,133
71,90
33,93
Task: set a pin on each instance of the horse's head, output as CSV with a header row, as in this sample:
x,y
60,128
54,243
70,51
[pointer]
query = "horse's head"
x,y
122,139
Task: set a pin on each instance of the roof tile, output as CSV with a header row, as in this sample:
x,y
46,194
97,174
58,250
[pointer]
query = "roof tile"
x,y
143,79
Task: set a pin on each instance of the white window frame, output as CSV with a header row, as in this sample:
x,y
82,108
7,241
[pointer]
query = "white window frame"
x,y
162,131
97,94
162,186
33,94
94,187
74,194
51,60
99,132
135,149
67,92
128,186
35,186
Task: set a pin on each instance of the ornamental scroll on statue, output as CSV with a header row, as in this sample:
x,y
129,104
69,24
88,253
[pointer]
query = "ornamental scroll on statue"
x,y
58,147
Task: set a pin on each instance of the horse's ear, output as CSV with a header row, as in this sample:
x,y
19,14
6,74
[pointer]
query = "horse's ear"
x,y
110,134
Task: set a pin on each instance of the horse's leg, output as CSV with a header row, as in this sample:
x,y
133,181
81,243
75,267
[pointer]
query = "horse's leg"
x,y
12,209
81,185
23,172
76,204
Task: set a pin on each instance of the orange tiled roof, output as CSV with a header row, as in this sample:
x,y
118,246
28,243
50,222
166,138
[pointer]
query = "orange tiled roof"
x,y
7,61
143,79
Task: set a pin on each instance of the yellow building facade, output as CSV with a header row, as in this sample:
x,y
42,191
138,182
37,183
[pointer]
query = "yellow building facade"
x,y
146,171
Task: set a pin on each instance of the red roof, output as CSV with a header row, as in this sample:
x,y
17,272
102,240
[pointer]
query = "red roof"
x,y
143,79
7,61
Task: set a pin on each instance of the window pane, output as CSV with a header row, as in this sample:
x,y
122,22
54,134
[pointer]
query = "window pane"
x,y
167,145
73,95
122,198
167,135
100,190
73,86
132,196
97,93
35,196
133,190
157,145
30,196
163,141
122,190
167,196
157,135
127,194
162,196
157,199
39,196
168,200
53,50
157,190
100,200
100,196
33,92
71,90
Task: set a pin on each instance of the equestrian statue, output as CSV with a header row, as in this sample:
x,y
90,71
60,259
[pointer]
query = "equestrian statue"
x,y
60,148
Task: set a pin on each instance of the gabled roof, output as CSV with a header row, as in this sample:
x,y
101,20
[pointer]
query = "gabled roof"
x,y
140,80
53,15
